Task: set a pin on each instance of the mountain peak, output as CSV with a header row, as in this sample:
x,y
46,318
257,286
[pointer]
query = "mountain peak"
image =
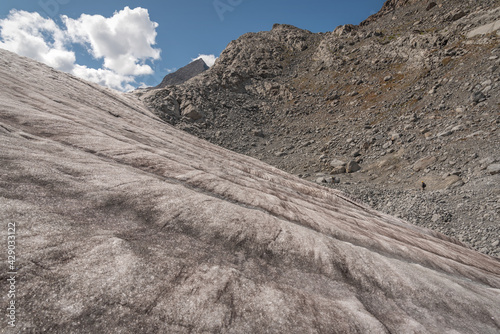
x,y
199,61
185,73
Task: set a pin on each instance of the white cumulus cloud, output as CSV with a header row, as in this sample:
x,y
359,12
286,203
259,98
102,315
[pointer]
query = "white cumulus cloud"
x,y
31,35
123,42
104,77
208,59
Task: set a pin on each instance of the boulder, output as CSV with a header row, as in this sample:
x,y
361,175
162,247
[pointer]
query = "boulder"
x,y
477,97
338,170
337,163
493,169
445,133
484,29
352,167
456,15
431,5
171,107
191,112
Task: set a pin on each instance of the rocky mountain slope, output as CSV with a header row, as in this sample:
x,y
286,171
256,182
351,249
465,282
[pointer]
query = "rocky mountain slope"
x,y
409,95
184,74
125,224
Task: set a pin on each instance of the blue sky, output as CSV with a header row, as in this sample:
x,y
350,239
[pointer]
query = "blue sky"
x,y
181,31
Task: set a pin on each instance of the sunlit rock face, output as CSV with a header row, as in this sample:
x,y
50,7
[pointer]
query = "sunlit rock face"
x,y
127,225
